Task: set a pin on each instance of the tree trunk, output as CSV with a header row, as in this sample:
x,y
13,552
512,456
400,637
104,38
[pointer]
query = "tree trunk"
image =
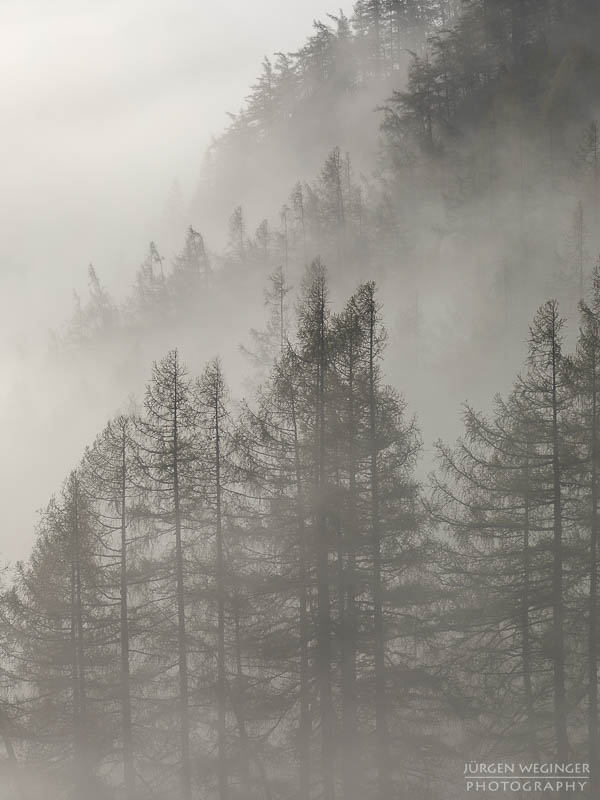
x,y
184,712
221,677
128,767
517,29
305,726
525,623
239,702
560,710
351,755
593,599
324,611
15,772
82,767
381,723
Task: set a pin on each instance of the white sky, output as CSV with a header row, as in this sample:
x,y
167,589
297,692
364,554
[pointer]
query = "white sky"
x,y
103,104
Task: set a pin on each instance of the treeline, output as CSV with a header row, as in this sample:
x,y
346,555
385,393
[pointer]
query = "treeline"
x,y
261,600
487,167
361,231
303,101
328,215
488,42
343,54
444,72
452,49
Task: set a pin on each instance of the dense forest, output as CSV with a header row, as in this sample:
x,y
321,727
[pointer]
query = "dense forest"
x,y
258,591
446,150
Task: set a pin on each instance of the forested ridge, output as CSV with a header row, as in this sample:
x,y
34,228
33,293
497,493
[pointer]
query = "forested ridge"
x,y
476,125
260,597
465,184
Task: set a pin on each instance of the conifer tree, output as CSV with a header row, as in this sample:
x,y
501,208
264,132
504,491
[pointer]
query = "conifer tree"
x,y
168,463
109,473
63,632
212,398
313,349
586,382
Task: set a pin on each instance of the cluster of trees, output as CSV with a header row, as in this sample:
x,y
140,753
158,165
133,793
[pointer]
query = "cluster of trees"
x,y
443,63
491,148
486,40
341,55
324,92
520,495
497,108
260,600
456,48
252,601
225,599
326,216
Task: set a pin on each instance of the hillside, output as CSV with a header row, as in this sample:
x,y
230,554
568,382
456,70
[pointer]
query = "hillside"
x,y
446,150
283,558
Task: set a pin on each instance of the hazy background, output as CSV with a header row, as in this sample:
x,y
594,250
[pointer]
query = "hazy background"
x,y
104,105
